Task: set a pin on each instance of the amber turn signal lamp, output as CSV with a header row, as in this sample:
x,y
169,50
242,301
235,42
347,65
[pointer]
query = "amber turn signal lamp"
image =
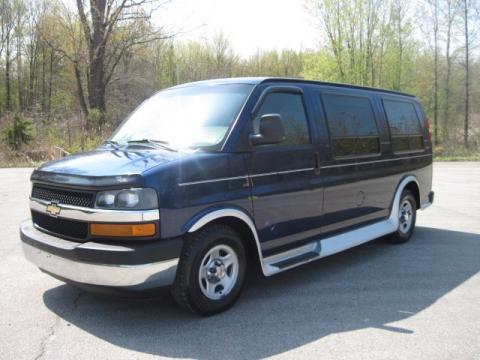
x,y
123,230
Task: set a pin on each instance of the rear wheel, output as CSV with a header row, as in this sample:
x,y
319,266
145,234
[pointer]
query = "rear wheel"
x,y
211,271
407,216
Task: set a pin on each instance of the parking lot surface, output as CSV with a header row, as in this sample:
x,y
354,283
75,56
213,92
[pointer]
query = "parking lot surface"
x,y
420,300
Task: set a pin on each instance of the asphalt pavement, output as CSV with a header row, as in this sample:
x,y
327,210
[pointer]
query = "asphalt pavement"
x,y
419,300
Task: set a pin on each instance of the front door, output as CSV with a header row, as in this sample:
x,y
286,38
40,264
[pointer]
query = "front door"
x,y
286,190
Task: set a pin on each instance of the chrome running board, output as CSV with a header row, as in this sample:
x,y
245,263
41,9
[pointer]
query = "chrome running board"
x,y
328,246
331,245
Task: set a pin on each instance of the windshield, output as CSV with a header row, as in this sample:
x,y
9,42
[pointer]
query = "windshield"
x,y
192,116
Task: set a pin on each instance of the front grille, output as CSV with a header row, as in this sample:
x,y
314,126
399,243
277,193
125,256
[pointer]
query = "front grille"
x,y
63,196
68,228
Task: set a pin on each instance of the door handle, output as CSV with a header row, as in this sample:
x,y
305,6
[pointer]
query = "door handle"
x,y
316,157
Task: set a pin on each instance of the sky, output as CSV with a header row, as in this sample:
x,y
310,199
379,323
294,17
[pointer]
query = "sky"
x,y
249,24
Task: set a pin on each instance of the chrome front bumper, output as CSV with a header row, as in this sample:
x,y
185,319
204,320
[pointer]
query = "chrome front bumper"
x,y
41,249
98,215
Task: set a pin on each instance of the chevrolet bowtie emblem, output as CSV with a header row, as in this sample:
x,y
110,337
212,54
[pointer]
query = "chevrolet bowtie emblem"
x,y
53,209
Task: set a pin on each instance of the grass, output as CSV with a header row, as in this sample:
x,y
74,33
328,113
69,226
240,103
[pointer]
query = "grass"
x,y
473,157
19,164
456,154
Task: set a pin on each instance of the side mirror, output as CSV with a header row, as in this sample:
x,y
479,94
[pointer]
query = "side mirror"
x,y
268,130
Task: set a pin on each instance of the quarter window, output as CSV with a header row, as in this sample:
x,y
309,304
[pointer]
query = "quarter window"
x,y
290,107
353,130
404,125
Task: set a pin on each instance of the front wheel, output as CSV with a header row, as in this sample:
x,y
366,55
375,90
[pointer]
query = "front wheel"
x,y
407,216
211,270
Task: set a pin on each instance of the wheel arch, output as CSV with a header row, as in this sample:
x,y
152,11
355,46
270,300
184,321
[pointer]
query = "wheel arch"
x,y
415,189
238,220
407,182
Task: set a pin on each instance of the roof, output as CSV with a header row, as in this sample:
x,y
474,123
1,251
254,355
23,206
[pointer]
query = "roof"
x,y
259,80
233,80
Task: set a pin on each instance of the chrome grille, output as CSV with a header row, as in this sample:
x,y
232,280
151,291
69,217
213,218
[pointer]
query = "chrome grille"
x,y
63,196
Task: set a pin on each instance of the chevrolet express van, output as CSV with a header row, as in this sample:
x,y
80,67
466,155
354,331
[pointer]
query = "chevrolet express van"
x,y
205,180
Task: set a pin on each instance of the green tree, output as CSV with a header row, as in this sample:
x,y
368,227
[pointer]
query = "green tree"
x,y
18,132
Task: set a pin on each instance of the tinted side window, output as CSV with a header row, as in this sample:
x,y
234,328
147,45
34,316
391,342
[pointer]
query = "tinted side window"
x,y
290,107
404,125
352,125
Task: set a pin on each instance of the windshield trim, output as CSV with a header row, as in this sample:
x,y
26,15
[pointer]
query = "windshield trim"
x,y
218,147
236,120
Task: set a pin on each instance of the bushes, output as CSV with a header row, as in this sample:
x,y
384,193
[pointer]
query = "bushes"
x,y
18,132
95,120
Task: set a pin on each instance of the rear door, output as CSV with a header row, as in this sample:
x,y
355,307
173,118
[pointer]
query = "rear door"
x,y
286,189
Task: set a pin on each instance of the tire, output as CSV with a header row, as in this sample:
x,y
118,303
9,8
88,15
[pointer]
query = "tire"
x,y
211,270
407,217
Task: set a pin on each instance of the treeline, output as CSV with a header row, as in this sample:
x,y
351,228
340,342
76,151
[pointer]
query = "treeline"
x,y
70,73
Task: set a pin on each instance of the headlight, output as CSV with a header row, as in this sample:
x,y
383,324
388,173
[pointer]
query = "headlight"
x,y
139,199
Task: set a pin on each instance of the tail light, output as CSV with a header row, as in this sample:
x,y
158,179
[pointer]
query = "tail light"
x,y
427,125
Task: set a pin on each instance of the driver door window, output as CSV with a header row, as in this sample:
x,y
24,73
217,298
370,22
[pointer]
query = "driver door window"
x,y
290,107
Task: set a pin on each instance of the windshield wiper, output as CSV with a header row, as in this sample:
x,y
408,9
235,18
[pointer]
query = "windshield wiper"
x,y
153,143
114,143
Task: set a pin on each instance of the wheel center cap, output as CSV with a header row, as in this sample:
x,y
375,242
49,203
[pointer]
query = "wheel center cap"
x,y
404,216
216,271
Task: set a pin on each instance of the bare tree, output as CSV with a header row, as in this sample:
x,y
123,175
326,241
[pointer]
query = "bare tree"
x,y
329,14
19,11
471,10
400,29
467,72
7,27
433,14
451,13
102,34
100,19
32,47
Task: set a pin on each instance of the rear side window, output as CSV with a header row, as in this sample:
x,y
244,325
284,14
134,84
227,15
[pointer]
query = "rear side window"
x,y
290,107
353,130
404,125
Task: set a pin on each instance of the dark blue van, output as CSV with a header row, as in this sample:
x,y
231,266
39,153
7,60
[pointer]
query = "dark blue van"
x,y
207,179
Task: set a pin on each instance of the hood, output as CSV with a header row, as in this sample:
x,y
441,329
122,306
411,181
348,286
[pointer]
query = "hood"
x,y
104,166
107,162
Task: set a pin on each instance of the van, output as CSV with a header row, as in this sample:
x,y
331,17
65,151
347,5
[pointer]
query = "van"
x,y
206,180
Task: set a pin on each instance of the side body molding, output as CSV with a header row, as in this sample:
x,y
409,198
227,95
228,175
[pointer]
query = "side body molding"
x,y
318,248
